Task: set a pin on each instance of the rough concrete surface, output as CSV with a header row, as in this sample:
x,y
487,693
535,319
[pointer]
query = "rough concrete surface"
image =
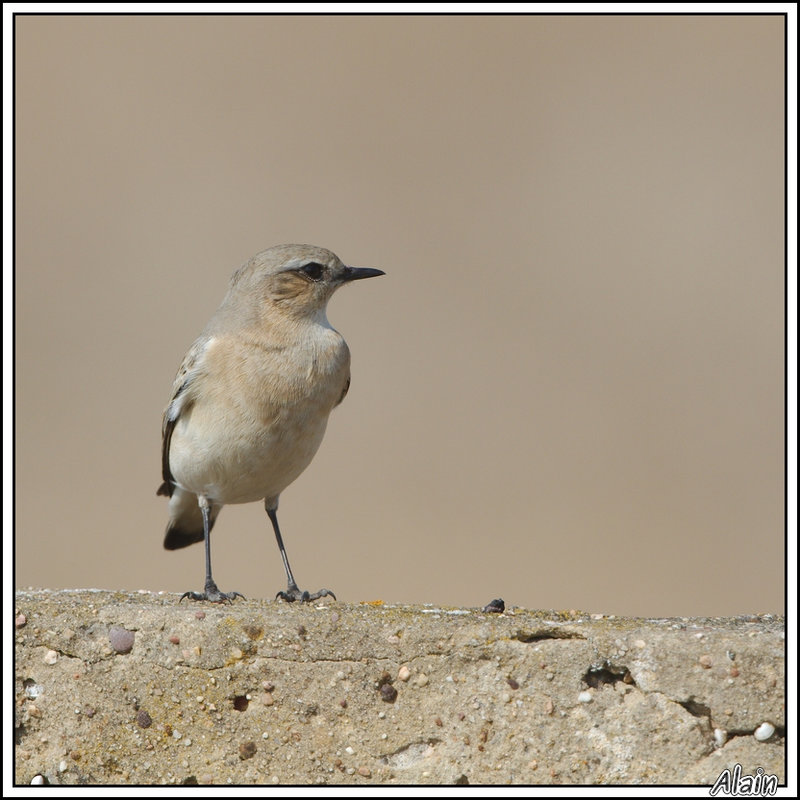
x,y
139,688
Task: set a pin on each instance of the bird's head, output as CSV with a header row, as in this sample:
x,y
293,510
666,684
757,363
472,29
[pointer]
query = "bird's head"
x,y
297,279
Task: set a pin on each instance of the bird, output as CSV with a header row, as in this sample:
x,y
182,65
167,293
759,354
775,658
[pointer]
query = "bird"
x,y
251,400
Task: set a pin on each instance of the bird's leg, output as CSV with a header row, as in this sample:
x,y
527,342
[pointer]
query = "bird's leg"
x,y
292,592
211,593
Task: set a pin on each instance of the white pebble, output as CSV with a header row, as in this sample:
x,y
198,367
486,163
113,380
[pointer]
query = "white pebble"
x,y
764,731
265,735
720,737
404,673
585,697
33,690
62,766
37,780
50,657
349,751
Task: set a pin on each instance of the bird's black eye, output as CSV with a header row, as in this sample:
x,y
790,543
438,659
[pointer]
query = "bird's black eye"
x,y
312,270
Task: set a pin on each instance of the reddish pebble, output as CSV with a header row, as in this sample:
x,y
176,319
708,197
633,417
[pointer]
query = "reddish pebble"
x,y
734,672
705,662
20,621
175,639
512,683
438,721
364,772
343,703
200,614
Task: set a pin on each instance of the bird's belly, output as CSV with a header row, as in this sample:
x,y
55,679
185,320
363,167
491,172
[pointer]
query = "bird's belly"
x,y
237,459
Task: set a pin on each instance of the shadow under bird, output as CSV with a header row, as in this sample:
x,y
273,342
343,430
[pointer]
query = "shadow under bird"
x,y
251,400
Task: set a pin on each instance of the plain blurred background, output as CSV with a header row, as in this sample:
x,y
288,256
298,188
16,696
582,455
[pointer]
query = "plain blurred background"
x,y
568,390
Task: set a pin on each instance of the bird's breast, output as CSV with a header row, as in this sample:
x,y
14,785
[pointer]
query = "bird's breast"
x,y
263,417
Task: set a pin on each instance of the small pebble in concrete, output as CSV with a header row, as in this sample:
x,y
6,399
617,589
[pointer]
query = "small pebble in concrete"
x,y
175,639
143,719
705,662
720,736
37,780
388,693
404,673
50,657
247,750
364,772
764,731
20,621
585,697
121,640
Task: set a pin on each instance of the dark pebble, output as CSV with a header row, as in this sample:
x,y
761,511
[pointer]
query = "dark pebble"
x,y
388,693
495,607
143,719
247,750
384,679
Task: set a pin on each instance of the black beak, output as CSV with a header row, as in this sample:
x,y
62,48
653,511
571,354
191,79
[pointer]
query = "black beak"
x,y
357,273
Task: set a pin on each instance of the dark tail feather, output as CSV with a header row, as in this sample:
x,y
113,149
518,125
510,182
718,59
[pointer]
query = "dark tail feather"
x,y
186,520
176,537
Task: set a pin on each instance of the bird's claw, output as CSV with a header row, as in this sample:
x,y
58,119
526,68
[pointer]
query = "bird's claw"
x,y
293,594
213,596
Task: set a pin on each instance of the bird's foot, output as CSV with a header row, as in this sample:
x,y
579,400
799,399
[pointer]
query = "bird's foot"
x,y
213,595
293,594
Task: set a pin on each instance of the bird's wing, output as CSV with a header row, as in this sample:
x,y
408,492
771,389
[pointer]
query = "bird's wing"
x,y
344,391
183,396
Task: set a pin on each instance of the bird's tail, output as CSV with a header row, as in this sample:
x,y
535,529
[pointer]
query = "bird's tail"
x,y
185,524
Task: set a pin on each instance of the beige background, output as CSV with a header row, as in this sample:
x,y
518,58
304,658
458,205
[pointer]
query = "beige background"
x,y
568,389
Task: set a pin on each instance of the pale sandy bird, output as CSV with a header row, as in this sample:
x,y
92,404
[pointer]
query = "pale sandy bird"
x,y
251,400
